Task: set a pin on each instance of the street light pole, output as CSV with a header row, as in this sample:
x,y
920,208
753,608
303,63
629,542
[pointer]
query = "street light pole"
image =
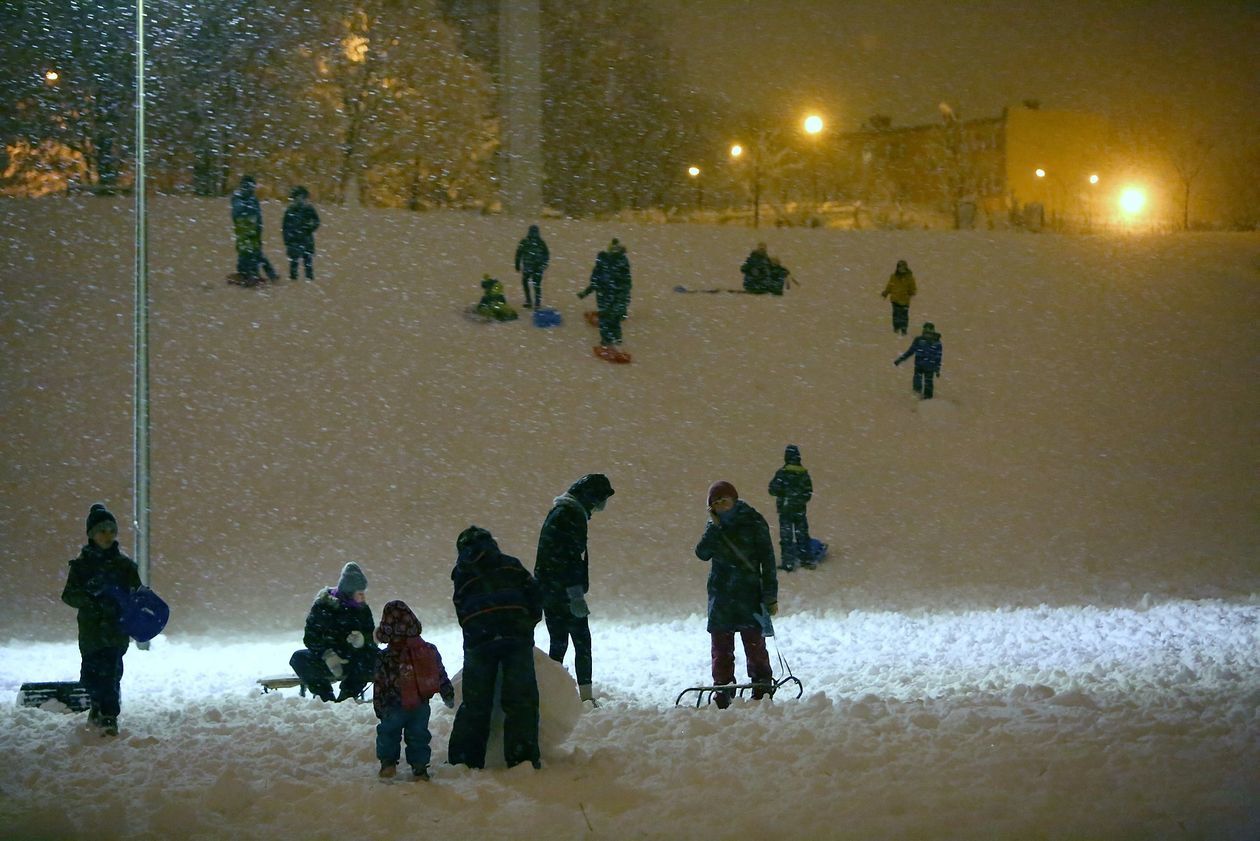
x,y
694,172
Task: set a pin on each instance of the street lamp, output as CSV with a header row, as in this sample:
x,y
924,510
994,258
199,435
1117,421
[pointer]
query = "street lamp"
x,y
813,127
737,151
694,172
1132,200
51,76
1089,203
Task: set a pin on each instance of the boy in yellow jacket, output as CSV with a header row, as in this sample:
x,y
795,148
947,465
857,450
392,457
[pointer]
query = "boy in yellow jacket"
x,y
900,289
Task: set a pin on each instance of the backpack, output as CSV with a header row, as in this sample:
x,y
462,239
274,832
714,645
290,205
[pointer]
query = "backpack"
x,y
419,673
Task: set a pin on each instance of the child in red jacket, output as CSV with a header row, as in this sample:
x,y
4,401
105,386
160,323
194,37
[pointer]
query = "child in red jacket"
x,y
408,674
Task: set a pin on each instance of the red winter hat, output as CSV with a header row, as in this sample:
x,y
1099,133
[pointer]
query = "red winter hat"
x,y
721,489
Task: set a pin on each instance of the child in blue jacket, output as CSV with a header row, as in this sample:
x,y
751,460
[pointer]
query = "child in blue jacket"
x,y
926,349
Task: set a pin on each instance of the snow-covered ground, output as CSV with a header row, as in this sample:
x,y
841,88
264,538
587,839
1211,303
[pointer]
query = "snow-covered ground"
x,y
1040,618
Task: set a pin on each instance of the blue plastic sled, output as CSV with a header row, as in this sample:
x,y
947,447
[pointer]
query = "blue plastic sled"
x,y
142,615
547,318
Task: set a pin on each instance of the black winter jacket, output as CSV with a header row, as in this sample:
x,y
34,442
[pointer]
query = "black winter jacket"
x,y
96,578
495,596
562,561
791,488
742,575
330,621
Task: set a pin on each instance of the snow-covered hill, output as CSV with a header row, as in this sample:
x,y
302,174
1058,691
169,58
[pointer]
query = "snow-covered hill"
x,y
1039,618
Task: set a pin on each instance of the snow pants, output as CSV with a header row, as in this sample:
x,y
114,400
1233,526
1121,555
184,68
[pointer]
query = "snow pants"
x,y
306,255
101,674
531,280
518,696
561,624
413,725
901,318
722,651
794,539
922,383
310,667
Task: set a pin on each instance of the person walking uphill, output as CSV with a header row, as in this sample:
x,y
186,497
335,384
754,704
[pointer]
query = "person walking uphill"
x,y
498,604
301,221
96,578
562,568
791,488
408,674
338,636
247,225
900,289
742,585
927,351
532,258
611,282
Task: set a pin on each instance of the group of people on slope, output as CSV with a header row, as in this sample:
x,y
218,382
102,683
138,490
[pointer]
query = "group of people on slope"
x,y
497,603
926,347
301,220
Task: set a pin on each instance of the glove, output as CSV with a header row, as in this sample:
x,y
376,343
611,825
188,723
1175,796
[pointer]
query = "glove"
x,y
334,663
773,608
581,294
448,698
938,373
355,638
577,602
883,294
896,362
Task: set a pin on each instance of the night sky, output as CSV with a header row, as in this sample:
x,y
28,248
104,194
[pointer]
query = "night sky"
x,y
854,58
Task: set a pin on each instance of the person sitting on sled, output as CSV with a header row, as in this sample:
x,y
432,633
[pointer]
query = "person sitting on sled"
x,y
493,303
338,639
743,586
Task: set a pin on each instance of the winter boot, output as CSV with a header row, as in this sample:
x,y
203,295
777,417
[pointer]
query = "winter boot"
x,y
109,725
388,770
419,773
587,693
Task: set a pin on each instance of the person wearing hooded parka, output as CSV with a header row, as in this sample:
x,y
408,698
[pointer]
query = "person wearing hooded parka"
x,y
532,257
338,639
497,604
562,567
792,489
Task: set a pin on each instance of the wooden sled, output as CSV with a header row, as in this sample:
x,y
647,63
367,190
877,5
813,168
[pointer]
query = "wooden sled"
x,y
278,682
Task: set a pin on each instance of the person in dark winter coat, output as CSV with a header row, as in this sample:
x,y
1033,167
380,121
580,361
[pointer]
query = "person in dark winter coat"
x,y
497,603
96,581
742,587
247,225
900,289
611,283
763,273
791,488
493,303
301,221
562,568
532,258
408,673
338,639
927,351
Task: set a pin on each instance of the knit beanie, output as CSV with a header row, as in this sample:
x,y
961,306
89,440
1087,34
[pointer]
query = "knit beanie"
x,y
792,454
97,515
352,580
722,489
471,535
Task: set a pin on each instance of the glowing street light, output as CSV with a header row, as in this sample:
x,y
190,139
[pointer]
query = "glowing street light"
x,y
813,127
1093,179
51,76
1039,172
1132,200
737,150
694,172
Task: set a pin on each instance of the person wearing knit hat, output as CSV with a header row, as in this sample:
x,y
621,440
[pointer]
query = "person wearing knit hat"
x,y
338,639
927,352
97,578
743,589
562,567
611,282
791,488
